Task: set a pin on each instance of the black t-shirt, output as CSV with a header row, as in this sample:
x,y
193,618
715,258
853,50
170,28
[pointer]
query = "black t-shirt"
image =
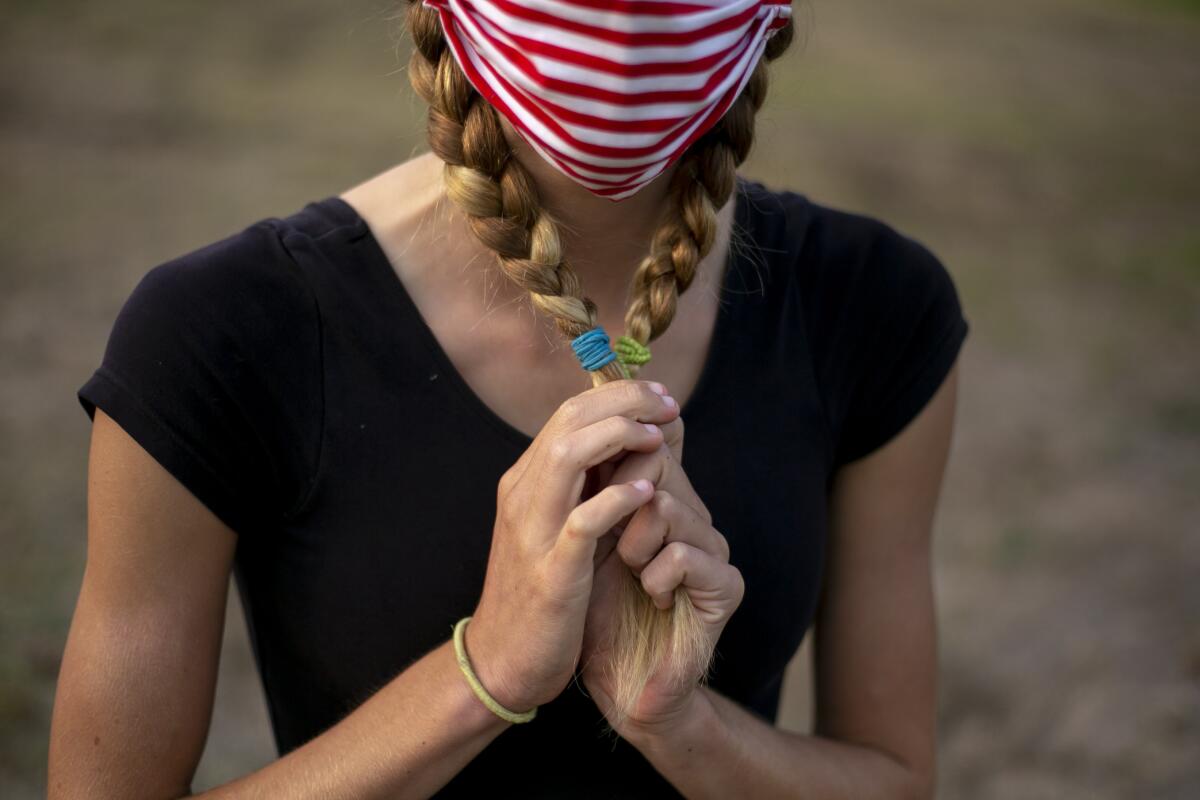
x,y
284,375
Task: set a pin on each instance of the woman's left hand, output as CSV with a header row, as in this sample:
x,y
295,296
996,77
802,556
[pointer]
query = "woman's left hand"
x,y
668,543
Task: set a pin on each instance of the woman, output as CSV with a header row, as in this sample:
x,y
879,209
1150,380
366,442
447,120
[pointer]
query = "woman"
x,y
351,410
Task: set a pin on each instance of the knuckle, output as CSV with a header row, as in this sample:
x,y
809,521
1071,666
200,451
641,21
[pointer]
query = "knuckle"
x,y
570,412
507,483
579,522
508,508
573,526
676,554
507,515
559,451
665,504
618,426
739,583
634,394
722,545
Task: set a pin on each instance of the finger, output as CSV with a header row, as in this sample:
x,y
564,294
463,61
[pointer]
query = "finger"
x,y
673,436
592,519
564,463
715,588
666,472
635,399
659,523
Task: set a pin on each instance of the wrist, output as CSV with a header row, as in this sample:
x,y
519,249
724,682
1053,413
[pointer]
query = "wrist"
x,y
489,670
696,721
473,713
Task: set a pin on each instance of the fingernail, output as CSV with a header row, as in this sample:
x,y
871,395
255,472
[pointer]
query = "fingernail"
x,y
669,401
642,485
657,387
650,426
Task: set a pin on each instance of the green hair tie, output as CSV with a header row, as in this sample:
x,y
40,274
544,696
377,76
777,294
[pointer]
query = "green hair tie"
x,y
631,351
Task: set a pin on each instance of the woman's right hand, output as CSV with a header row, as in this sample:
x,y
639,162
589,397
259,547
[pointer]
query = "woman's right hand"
x,y
525,637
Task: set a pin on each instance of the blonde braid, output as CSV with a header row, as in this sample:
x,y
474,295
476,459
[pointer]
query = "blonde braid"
x,y
492,188
644,635
701,186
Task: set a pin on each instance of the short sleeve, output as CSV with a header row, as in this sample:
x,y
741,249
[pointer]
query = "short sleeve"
x,y
213,366
887,326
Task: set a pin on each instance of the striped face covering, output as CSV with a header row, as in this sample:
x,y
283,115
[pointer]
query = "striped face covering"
x,y
610,92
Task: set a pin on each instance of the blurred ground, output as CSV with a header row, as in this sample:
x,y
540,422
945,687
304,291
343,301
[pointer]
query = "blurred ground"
x,y
1046,151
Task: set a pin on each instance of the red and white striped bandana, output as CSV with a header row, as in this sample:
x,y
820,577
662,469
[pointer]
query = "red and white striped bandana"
x,y
610,92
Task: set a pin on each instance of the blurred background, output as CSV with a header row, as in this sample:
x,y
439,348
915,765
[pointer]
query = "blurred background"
x,y
1046,150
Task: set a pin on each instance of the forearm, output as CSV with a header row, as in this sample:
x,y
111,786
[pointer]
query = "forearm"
x,y
406,741
722,750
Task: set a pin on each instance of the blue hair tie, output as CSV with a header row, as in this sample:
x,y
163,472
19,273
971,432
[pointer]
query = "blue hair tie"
x,y
592,350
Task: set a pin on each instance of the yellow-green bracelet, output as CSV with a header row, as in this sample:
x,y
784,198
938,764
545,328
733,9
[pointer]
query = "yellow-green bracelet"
x,y
464,663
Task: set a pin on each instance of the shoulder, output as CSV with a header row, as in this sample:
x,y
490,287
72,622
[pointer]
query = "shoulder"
x,y
838,261
215,365
250,290
250,270
239,305
822,242
878,311
237,314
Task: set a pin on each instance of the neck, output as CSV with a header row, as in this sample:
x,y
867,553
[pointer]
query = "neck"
x,y
603,240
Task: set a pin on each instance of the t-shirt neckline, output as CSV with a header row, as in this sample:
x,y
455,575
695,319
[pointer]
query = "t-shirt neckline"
x,y
385,274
